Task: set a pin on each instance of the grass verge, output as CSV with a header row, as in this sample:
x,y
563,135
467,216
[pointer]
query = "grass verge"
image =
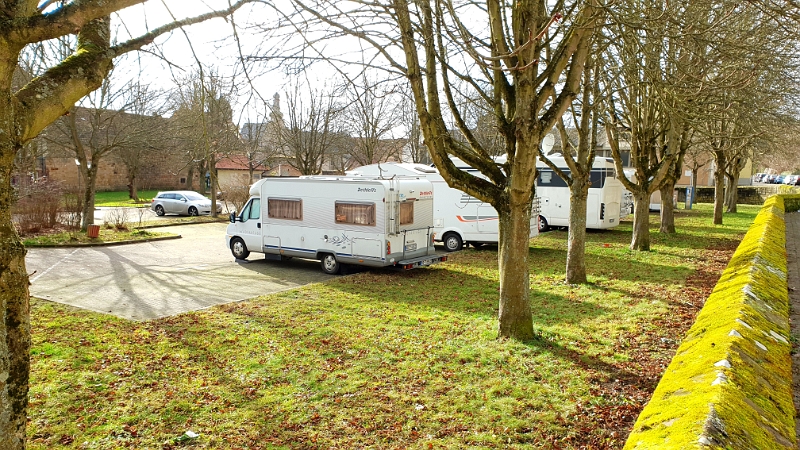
x,y
120,198
77,237
388,360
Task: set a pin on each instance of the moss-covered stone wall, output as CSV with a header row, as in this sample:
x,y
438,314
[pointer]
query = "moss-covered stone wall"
x,y
730,383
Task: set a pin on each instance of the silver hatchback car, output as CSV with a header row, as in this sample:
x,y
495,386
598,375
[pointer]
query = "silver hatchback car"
x,y
188,203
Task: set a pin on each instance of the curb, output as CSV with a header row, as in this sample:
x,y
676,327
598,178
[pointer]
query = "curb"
x,y
162,225
105,244
729,384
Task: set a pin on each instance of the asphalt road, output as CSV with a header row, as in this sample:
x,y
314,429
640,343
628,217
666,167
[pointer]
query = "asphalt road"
x,y
163,278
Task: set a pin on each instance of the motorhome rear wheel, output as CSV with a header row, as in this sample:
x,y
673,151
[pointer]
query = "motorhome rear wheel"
x,y
329,264
543,226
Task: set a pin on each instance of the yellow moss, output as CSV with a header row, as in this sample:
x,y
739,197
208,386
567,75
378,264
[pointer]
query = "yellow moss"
x,y
748,405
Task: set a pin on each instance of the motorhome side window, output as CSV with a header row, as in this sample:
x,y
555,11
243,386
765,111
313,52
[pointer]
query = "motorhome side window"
x,y
282,208
355,213
548,178
252,210
406,213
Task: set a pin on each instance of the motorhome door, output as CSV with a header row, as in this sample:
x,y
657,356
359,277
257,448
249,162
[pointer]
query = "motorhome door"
x,y
248,225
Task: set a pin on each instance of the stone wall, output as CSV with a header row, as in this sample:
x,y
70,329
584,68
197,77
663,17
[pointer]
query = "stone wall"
x,y
729,385
748,195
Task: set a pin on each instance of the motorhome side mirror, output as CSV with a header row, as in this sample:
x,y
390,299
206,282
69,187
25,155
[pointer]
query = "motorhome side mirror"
x,y
233,216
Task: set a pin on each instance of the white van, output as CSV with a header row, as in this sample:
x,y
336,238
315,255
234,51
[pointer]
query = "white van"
x,y
606,202
338,220
458,218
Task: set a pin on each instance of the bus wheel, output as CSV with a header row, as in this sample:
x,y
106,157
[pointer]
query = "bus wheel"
x,y
452,242
543,226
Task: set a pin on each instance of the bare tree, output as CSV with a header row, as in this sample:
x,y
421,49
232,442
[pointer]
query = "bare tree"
x,y
146,135
369,118
585,114
204,123
105,124
652,62
415,149
311,129
24,113
520,59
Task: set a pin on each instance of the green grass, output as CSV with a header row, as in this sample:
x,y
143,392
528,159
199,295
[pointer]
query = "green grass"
x,y
107,235
381,359
120,198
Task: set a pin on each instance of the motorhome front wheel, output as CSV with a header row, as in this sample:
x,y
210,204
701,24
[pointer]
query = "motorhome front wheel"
x,y
452,242
238,249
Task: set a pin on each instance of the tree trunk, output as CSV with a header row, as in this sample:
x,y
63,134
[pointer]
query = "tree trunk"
x,y
513,252
641,221
134,190
87,216
190,178
667,208
719,187
576,240
15,339
731,193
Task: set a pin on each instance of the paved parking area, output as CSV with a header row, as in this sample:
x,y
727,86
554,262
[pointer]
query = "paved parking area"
x,y
163,278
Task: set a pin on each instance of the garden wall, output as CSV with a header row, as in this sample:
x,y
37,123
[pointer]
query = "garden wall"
x,y
730,382
748,195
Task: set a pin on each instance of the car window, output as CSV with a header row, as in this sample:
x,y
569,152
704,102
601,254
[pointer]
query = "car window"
x,y
169,196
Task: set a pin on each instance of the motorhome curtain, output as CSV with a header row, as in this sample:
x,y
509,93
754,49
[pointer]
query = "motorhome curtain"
x,y
407,213
355,213
285,209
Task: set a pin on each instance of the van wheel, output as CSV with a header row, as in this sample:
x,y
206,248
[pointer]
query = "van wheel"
x,y
238,248
329,264
452,242
543,226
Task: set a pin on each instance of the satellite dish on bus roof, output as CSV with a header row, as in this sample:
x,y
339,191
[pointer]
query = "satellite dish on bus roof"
x,y
547,143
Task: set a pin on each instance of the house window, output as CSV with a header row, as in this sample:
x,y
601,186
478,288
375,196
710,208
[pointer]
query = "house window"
x,y
288,209
407,212
183,180
355,213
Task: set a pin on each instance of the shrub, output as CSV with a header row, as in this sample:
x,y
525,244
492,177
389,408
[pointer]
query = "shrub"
x,y
236,195
116,218
37,206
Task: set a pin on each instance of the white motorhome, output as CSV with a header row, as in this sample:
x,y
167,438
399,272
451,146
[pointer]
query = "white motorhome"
x,y
338,220
458,217
604,205
655,197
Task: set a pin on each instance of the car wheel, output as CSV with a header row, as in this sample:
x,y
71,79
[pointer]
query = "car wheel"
x,y
452,242
329,264
159,210
192,211
543,226
239,249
